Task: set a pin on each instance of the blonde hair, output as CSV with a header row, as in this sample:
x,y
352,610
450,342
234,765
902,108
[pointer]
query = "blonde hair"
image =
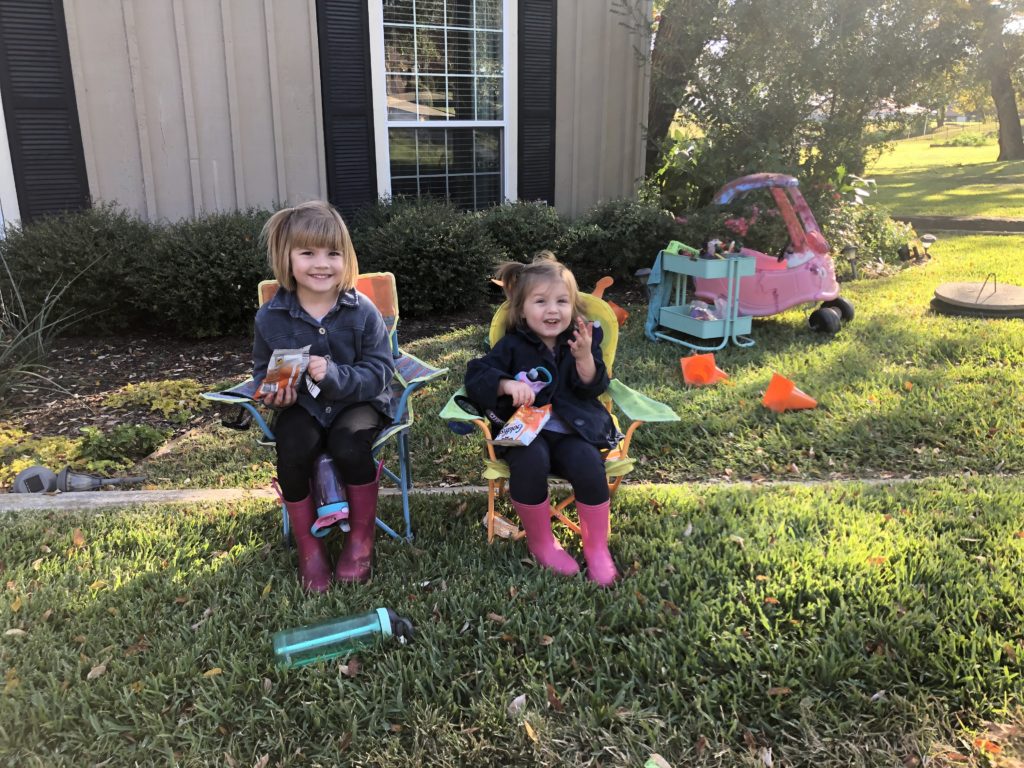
x,y
315,224
518,280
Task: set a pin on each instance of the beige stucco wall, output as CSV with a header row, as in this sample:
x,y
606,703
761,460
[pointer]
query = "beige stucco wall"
x,y
189,106
602,86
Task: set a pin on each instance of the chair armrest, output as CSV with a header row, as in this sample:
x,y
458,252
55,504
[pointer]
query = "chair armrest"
x,y
411,370
638,407
242,396
452,411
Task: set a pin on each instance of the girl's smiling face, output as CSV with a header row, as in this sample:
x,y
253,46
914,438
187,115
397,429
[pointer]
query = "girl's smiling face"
x,y
317,271
547,309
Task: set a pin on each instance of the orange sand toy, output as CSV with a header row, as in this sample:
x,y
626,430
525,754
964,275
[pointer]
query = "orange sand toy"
x,y
700,370
782,395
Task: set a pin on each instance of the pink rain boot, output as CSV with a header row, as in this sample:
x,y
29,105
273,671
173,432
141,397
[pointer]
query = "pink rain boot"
x,y
595,526
356,557
314,567
536,519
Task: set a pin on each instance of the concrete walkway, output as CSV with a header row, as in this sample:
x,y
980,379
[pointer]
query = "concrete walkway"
x,y
973,224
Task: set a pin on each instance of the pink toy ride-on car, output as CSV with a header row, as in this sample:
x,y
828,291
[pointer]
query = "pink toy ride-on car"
x,y
803,271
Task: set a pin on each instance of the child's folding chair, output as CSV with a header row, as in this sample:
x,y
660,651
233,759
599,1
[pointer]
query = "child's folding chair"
x,y
411,373
636,407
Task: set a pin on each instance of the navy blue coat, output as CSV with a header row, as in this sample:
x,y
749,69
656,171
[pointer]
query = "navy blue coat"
x,y
352,337
575,403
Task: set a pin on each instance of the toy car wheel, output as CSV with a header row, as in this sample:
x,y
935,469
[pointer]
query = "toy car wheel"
x,y
825,320
845,308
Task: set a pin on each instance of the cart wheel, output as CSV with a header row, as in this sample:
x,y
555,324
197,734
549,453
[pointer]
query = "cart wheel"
x,y
825,320
845,308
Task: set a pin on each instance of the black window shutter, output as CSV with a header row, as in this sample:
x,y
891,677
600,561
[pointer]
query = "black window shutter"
x,y
537,99
40,108
348,103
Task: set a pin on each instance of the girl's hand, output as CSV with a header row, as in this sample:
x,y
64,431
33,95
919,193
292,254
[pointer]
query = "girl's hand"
x,y
581,341
283,398
520,392
317,367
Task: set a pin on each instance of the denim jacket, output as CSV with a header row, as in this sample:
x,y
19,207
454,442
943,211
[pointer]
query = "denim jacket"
x,y
575,403
352,337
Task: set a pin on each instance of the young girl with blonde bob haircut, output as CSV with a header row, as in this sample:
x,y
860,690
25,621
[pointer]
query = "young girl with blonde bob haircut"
x,y
546,328
343,402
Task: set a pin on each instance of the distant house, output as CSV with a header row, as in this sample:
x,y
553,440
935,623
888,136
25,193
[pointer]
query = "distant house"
x,y
176,107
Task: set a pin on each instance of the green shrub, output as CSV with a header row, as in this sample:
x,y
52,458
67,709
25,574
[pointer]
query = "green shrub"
x,y
967,140
97,248
176,400
522,229
440,256
200,278
120,448
617,238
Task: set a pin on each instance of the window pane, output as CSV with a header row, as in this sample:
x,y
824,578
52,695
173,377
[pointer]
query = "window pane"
x,y
488,191
398,50
403,154
461,152
488,14
460,13
461,191
434,186
433,151
430,50
487,149
430,12
488,53
401,92
404,186
462,104
433,98
399,11
488,98
460,51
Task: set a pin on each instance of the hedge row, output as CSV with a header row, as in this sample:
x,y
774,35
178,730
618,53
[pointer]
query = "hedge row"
x,y
196,278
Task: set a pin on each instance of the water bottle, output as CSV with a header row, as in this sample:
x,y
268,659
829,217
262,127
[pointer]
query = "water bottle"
x,y
338,637
331,503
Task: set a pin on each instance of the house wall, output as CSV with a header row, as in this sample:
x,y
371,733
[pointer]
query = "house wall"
x,y
9,213
191,106
602,86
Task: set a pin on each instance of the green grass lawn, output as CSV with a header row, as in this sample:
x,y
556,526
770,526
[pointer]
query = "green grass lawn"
x,y
919,178
901,391
840,625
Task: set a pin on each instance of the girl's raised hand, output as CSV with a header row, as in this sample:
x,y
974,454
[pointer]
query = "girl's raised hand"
x,y
580,343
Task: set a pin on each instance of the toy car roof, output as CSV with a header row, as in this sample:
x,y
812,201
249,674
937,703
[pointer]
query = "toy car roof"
x,y
745,184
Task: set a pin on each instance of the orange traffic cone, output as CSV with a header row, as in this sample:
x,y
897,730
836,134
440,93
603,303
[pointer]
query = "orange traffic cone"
x,y
782,395
700,370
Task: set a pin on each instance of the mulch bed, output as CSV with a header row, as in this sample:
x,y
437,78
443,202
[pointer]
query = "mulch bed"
x,y
86,370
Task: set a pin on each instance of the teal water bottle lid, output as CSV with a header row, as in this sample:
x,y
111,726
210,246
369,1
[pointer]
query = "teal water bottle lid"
x,y
385,621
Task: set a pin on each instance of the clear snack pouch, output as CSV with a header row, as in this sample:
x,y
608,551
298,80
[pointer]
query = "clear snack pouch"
x,y
525,424
285,368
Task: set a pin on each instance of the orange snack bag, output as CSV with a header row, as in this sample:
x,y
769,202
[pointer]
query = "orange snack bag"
x,y
525,424
285,368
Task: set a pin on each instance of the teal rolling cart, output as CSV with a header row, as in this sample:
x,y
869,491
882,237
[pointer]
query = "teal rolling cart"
x,y
670,310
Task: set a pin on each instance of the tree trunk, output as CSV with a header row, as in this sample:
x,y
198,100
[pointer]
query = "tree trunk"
x,y
685,28
997,65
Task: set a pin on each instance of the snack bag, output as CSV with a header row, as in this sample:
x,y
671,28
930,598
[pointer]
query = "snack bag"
x,y
285,368
525,424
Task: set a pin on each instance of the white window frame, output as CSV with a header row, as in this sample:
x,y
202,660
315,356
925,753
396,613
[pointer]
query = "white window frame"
x,y
510,106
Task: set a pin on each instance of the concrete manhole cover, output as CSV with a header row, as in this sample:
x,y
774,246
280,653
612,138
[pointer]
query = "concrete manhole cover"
x,y
987,299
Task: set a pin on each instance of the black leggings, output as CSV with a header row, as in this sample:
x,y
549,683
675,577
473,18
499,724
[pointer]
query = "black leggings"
x,y
568,456
349,440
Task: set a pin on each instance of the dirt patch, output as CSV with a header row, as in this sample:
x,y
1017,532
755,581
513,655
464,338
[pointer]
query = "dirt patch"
x,y
85,371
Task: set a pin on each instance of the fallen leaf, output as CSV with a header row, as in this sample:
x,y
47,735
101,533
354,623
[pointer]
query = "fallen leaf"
x,y
701,746
1018,535
553,701
779,691
262,762
1010,651
911,761
213,672
16,605
877,560
771,600
396,727
45,549
352,668
512,592
766,757
266,589
793,469
267,685
97,671
37,564
97,585
737,540
688,530
497,618
78,538
229,761
11,680
760,577
46,614
137,686
547,640
908,385
530,732
748,739
15,633
878,695
989,747
657,761
180,600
